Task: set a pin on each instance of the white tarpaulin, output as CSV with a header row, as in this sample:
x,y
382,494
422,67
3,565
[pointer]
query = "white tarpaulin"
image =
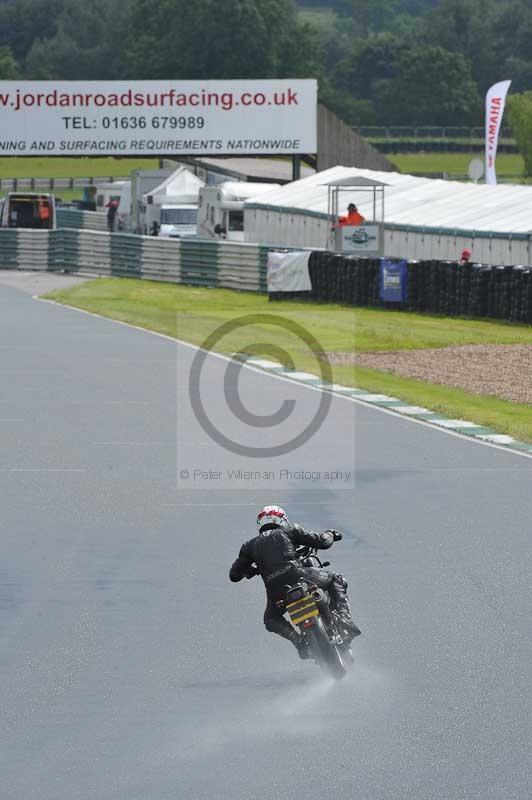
x,y
495,101
158,117
288,272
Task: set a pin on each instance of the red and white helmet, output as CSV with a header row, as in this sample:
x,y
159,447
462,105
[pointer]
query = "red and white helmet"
x,y
272,517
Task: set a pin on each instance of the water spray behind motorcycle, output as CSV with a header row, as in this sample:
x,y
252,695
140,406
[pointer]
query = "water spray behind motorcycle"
x,y
309,609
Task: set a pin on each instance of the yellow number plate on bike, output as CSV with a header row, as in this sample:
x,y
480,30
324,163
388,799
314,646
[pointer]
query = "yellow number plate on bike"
x,y
303,609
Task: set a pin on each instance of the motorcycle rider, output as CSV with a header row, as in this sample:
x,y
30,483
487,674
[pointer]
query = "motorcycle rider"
x,y
273,552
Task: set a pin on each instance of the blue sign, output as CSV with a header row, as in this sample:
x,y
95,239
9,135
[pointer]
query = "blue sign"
x,y
394,281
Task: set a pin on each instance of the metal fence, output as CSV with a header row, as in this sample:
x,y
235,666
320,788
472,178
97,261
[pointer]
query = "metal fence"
x,y
426,132
16,184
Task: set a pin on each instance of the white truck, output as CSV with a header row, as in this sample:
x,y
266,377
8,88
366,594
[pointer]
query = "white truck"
x,y
221,208
170,209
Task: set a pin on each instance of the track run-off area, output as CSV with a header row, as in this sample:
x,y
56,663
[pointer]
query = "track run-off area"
x,y
132,669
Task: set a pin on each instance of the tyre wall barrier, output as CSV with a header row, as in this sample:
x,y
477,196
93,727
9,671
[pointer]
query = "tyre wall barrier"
x,y
195,262
441,287
20,247
74,218
434,285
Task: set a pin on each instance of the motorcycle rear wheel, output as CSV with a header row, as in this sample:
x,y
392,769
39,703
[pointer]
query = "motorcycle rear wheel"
x,y
324,651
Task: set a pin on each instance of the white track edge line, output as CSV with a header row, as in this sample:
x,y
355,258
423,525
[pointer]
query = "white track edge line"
x,y
277,376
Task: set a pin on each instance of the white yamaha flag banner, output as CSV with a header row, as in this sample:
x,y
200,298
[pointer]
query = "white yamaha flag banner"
x,y
495,102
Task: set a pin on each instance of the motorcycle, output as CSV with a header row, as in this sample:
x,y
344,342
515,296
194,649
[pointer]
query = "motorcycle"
x,y
310,611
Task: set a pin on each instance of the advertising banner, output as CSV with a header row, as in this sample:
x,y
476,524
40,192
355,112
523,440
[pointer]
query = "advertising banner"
x,y
363,239
288,272
394,281
495,102
158,117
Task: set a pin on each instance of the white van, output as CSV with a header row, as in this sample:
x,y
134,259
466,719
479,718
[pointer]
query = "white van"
x,y
178,220
221,208
28,210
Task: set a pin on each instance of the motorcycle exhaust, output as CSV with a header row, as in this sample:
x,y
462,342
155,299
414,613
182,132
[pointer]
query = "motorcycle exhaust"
x,y
322,600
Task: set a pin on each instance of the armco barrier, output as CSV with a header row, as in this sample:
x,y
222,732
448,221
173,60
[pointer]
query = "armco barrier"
x,y
195,262
441,287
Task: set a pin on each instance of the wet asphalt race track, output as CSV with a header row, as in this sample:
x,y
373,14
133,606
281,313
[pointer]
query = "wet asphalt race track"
x,y
131,669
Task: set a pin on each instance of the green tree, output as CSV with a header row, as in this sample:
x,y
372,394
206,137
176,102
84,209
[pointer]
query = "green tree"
x,y
432,87
371,16
223,39
520,72
370,61
9,69
22,21
87,44
483,31
350,109
520,115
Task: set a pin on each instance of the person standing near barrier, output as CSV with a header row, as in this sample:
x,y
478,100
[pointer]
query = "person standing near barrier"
x,y
354,217
112,208
44,214
465,258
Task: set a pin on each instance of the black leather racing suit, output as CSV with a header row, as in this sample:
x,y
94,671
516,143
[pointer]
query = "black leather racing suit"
x,y
274,553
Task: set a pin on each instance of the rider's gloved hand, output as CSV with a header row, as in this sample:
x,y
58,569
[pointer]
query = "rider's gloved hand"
x,y
251,573
337,536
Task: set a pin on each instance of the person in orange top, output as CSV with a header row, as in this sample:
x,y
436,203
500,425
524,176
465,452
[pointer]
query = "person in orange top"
x,y
354,217
44,214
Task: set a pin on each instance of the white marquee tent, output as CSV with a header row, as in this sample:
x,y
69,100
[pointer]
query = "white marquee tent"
x,y
182,186
418,201
295,214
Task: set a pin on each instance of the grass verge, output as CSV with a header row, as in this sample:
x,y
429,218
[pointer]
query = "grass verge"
x,y
79,167
192,314
67,195
453,163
